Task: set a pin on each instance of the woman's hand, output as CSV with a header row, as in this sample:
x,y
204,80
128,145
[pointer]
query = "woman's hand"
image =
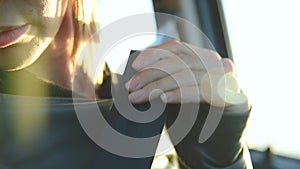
x,y
185,74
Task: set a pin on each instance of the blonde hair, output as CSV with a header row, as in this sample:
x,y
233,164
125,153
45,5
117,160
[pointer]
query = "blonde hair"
x,y
86,30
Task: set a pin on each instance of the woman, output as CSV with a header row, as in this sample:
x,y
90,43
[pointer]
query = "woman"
x,y
40,42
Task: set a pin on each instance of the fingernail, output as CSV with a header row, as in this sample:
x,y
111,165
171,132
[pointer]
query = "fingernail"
x,y
137,65
132,85
136,96
165,97
127,85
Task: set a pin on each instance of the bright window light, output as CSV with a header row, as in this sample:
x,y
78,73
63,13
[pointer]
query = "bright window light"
x,y
264,36
113,10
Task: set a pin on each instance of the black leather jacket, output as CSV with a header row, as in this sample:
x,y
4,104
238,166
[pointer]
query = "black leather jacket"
x,y
57,140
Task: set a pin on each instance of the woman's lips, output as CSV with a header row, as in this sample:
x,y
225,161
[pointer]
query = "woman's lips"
x,y
12,35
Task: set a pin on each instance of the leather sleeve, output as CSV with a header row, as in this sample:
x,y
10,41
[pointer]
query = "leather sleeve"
x,y
224,149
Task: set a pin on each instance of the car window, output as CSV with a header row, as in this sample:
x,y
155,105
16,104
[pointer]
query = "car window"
x,y
264,37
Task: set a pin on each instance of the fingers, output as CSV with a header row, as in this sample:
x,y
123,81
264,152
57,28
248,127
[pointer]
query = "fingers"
x,y
173,65
188,53
160,52
217,90
156,71
182,79
189,94
174,72
228,66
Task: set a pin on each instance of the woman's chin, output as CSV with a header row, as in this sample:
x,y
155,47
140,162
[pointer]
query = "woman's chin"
x,y
14,65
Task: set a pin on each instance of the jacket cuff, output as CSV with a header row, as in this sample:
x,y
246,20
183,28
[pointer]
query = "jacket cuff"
x,y
223,149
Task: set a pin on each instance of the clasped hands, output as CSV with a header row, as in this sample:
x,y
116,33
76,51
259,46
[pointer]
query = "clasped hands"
x,y
184,73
